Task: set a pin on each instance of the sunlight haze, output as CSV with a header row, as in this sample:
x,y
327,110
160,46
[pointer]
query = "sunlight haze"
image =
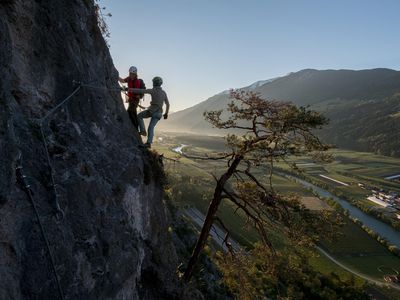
x,y
201,48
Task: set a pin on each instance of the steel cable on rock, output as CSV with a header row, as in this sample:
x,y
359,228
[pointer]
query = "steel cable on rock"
x,y
59,213
44,122
42,230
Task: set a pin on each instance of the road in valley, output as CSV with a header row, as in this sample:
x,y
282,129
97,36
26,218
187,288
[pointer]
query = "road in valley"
x,y
217,233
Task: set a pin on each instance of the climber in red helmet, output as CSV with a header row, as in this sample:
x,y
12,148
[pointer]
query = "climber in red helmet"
x,y
133,98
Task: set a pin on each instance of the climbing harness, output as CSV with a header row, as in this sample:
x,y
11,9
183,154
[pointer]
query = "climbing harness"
x,y
27,188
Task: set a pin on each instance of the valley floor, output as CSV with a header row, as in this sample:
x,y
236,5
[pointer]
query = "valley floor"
x,y
355,253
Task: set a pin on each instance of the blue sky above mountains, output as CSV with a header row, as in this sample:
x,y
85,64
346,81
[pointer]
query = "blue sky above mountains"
x,y
201,48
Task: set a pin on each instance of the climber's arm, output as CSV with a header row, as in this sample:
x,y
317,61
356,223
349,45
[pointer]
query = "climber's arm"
x,y
140,91
166,107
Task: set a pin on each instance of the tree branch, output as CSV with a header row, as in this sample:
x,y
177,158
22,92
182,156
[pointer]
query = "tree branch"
x,y
225,241
256,220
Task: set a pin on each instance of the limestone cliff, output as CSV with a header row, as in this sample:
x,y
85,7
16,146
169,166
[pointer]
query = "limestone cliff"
x,y
112,240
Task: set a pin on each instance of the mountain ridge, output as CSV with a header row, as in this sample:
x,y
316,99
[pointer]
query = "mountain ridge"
x,y
334,92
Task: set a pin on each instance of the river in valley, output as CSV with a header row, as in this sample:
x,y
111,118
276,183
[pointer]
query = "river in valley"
x,y
381,228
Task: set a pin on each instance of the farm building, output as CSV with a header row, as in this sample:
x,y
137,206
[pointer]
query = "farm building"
x,y
378,201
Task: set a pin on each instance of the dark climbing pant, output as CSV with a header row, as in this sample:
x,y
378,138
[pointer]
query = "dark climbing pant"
x,y
132,111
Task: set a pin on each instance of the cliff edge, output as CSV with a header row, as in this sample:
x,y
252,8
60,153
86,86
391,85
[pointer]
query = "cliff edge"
x,y
97,195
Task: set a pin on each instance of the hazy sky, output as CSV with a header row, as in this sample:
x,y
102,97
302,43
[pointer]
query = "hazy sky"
x,y
201,48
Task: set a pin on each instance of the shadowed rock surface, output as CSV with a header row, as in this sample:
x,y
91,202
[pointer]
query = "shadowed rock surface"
x,y
112,242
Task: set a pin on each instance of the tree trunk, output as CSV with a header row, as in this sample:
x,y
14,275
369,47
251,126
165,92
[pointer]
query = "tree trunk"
x,y
208,222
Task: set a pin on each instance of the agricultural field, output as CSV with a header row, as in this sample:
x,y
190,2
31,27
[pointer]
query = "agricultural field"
x,y
347,171
354,167
359,251
194,181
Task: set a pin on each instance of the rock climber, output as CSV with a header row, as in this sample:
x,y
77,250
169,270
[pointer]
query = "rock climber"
x,y
133,98
154,111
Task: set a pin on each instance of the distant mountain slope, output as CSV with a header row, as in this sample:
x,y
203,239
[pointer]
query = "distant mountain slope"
x,y
192,120
358,103
312,86
372,126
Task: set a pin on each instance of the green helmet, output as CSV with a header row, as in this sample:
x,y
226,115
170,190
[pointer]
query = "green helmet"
x,y
157,81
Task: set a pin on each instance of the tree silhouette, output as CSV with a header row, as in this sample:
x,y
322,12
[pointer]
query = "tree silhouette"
x,y
264,132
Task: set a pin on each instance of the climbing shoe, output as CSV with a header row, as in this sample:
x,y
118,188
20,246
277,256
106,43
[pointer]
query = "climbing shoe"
x,y
146,146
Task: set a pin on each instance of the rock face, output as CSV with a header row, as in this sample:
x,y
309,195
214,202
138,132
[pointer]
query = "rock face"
x,y
112,242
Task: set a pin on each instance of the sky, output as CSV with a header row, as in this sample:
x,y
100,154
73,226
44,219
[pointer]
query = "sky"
x,y
201,48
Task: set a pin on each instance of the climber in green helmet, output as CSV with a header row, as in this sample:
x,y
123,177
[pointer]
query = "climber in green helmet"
x,y
155,110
